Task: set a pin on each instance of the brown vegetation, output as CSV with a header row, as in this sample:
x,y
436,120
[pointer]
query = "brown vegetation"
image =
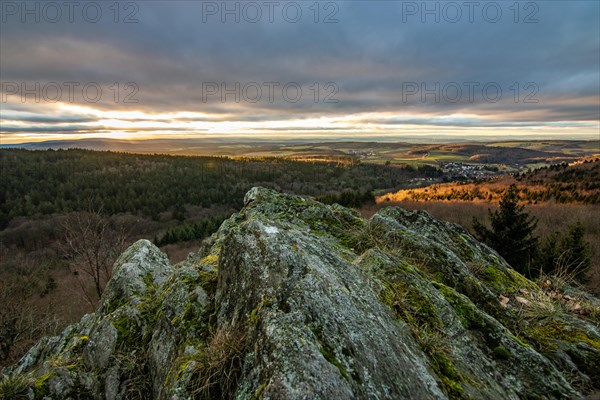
x,y
38,298
90,246
578,182
219,366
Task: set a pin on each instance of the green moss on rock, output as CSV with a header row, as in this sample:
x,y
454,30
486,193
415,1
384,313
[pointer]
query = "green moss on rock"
x,y
332,306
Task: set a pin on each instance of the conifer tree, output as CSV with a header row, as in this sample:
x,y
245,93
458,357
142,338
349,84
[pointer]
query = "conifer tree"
x,y
511,233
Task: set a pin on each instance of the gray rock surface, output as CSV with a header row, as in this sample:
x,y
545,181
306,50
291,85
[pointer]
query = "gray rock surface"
x,y
293,299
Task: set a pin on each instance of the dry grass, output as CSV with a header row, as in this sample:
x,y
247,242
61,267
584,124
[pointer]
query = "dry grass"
x,y
564,274
541,306
134,375
372,235
219,367
432,341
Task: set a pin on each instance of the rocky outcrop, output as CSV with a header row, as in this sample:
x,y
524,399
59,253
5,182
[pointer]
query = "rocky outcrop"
x,y
293,299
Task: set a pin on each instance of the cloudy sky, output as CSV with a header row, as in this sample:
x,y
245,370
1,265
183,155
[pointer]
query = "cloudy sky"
x,y
304,69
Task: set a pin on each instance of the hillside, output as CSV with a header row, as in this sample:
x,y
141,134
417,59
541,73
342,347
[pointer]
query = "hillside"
x,y
578,182
38,183
514,154
295,299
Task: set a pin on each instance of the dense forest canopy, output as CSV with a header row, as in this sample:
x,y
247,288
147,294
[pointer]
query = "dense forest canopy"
x,y
36,183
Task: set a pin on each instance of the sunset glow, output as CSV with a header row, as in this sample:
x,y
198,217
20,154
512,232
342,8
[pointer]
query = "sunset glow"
x,y
383,74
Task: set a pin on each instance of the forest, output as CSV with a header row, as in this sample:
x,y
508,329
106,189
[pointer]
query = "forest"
x,y
173,198
66,214
39,183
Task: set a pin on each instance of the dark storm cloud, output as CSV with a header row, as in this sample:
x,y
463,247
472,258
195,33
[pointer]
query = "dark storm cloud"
x,y
371,54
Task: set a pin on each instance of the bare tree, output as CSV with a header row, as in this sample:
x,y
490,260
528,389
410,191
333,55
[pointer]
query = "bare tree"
x,y
90,245
22,322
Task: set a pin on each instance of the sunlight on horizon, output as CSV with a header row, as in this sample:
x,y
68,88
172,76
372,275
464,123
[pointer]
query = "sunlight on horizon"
x,y
88,122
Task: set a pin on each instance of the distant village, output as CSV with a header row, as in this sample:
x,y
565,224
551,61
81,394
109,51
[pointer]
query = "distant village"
x,y
460,171
362,154
452,170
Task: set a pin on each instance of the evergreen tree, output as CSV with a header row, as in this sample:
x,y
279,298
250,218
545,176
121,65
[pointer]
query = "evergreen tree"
x,y
511,233
577,250
567,255
179,211
549,253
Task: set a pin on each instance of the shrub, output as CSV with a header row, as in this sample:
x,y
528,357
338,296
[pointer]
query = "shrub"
x,y
15,387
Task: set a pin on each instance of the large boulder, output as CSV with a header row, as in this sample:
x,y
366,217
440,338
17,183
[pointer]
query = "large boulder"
x,y
294,299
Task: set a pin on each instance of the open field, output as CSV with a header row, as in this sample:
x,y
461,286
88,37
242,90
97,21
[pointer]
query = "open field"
x,y
563,146
512,155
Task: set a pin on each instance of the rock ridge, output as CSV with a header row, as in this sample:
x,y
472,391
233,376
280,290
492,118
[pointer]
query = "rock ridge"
x,y
294,299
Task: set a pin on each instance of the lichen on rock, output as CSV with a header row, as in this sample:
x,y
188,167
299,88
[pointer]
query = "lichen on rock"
x,y
295,299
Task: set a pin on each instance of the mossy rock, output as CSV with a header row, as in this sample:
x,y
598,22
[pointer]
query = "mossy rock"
x,y
319,303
